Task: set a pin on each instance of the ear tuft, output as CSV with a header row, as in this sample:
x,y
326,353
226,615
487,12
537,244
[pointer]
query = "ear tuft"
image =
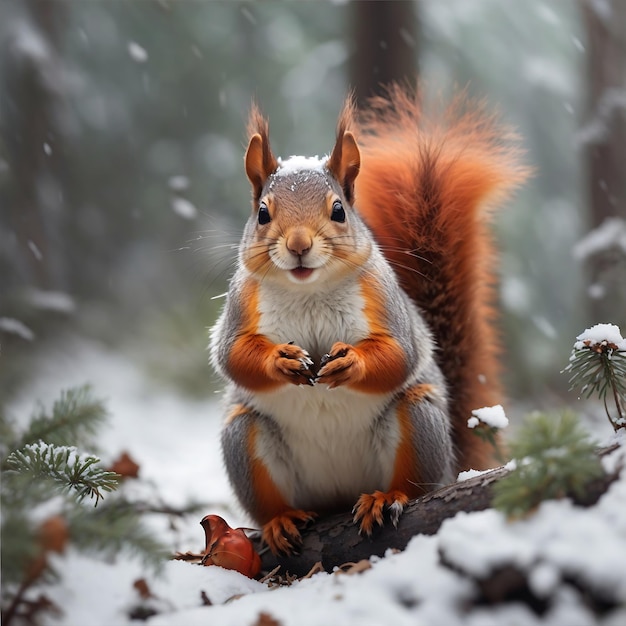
x,y
259,160
344,163
345,159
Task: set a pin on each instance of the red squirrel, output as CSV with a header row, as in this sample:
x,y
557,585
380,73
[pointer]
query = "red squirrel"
x,y
358,330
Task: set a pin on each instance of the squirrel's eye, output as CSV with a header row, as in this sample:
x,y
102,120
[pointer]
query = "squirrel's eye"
x,y
338,214
264,214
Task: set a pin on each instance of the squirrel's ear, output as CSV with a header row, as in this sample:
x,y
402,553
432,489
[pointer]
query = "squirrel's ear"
x,y
344,163
260,163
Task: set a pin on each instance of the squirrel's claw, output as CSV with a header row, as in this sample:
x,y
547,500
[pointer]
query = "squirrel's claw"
x,y
340,366
295,363
328,357
370,507
281,533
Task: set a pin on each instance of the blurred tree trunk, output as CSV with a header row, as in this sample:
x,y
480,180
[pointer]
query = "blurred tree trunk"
x,y
605,137
385,44
31,88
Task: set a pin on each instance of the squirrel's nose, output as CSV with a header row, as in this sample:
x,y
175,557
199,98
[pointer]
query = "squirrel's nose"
x,y
299,243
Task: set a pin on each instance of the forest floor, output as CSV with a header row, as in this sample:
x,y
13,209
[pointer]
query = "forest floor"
x,y
563,550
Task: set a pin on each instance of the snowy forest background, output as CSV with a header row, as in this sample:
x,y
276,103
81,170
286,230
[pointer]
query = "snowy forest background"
x,y
122,191
123,134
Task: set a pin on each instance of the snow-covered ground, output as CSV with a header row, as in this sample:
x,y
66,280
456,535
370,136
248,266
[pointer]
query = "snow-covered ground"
x,y
176,443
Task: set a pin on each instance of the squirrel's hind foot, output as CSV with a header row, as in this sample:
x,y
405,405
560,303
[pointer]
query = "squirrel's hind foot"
x,y
370,508
281,533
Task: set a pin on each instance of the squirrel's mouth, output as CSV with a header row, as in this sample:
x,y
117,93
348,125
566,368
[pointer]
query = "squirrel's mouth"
x,y
301,273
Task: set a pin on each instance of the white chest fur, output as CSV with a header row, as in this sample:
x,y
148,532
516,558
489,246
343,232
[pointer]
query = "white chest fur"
x,y
314,321
334,452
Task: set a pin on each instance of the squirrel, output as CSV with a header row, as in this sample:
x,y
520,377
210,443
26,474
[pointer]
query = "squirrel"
x,y
358,330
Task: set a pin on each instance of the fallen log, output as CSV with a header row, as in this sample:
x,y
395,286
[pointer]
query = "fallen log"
x,y
334,540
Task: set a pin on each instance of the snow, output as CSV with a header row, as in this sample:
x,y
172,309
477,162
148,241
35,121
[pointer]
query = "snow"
x,y
184,208
15,327
601,334
176,443
296,164
27,42
472,473
610,234
490,415
137,53
49,452
51,300
36,252
178,183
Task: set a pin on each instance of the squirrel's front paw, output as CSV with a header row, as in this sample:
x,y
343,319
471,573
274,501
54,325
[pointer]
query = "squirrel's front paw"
x,y
293,364
342,365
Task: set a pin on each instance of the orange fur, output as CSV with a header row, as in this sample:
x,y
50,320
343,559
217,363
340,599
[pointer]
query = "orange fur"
x,y
380,364
370,507
260,161
281,533
237,411
406,482
269,501
406,469
247,361
254,361
280,522
426,189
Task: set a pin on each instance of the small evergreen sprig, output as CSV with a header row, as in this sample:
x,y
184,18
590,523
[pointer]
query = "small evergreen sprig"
x,y
554,458
598,365
65,467
75,417
43,473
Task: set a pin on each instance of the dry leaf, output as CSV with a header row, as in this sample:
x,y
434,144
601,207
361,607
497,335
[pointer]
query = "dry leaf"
x,y
142,588
318,567
54,534
355,568
265,619
190,557
125,466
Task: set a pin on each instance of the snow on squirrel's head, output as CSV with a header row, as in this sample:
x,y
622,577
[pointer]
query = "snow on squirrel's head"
x,y
342,166
300,174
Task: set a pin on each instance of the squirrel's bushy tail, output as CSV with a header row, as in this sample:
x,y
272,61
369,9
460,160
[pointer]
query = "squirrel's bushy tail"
x,y
427,188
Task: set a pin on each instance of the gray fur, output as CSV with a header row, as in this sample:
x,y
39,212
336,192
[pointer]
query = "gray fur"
x,y
236,460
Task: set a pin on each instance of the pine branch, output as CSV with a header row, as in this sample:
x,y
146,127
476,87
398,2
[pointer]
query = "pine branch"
x,y
554,458
37,470
112,528
75,418
598,366
65,467
19,545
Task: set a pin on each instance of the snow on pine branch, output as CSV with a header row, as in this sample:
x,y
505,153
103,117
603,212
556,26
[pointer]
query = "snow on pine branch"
x,y
66,467
492,416
598,365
